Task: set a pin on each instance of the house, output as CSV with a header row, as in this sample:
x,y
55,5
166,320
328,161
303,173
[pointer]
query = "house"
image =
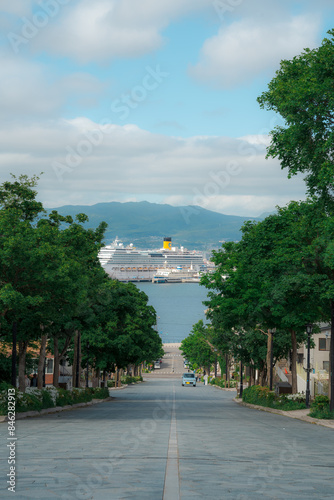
x,y
319,363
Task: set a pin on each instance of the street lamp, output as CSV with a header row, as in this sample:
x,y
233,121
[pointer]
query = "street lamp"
x,y
309,328
271,331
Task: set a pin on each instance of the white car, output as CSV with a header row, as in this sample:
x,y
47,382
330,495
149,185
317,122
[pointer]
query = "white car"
x,y
189,379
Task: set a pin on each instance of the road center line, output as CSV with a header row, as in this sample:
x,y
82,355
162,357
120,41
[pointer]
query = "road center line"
x,y
172,479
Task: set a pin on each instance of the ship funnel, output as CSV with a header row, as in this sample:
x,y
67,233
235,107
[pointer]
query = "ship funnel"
x,y
167,244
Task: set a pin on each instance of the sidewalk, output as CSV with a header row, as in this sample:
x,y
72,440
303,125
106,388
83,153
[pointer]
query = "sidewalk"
x,y
54,409
297,414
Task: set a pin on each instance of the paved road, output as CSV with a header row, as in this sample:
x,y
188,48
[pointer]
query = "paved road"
x,y
172,363
161,441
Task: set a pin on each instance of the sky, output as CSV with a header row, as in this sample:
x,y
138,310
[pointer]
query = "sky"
x,y
132,100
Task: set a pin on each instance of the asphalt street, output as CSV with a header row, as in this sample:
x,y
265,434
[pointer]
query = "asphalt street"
x,y
159,440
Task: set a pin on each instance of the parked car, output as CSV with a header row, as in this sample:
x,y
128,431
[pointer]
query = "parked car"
x,y
189,379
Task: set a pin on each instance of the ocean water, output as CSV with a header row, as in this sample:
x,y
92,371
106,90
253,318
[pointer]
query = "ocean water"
x,y
178,305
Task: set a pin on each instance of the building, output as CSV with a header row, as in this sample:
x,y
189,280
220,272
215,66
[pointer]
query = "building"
x,y
319,363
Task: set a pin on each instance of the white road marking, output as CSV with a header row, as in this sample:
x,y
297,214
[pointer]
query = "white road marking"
x,y
172,476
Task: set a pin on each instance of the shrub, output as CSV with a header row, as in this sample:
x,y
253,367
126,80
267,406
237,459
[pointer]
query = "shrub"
x,y
36,399
28,402
4,386
47,401
262,396
221,382
301,398
100,393
64,398
320,408
126,380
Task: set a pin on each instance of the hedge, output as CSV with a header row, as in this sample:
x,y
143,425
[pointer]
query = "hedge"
x,y
49,397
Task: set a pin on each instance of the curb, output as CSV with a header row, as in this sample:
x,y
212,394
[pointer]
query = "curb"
x,y
316,421
57,409
46,411
227,389
125,385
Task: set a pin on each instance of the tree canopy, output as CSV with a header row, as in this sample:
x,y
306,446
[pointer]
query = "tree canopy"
x,y
52,286
302,93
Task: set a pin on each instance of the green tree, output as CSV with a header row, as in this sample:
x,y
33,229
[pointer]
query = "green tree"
x,y
262,283
196,347
122,331
44,270
302,93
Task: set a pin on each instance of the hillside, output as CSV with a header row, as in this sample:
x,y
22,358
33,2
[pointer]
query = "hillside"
x,y
146,224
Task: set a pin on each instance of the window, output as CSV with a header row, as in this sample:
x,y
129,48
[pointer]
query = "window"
x,y
300,358
326,365
323,344
49,366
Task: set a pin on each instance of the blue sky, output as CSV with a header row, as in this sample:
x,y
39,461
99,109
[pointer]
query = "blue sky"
x,y
118,100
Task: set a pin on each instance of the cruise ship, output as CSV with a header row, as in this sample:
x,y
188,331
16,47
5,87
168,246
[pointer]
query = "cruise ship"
x,y
126,263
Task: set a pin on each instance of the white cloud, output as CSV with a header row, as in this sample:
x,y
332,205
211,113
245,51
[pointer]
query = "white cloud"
x,y
86,163
247,48
105,29
29,89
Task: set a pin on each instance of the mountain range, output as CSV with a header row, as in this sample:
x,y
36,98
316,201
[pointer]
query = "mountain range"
x,y
146,224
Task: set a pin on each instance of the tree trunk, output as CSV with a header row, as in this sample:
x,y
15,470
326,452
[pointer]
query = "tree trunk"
x,y
14,353
98,377
58,357
76,369
263,376
56,362
23,344
74,366
294,362
251,371
41,361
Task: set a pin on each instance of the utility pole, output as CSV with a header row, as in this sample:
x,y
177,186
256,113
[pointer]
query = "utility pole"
x,y
241,380
309,329
272,331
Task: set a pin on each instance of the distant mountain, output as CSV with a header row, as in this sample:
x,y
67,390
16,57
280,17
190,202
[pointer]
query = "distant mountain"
x,y
146,224
266,214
